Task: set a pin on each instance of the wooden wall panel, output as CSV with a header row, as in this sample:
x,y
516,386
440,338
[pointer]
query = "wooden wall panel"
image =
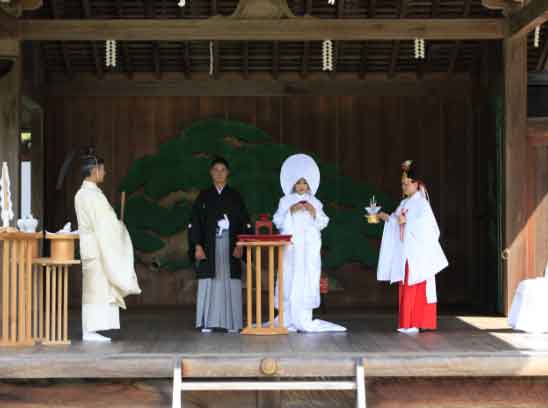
x,y
367,137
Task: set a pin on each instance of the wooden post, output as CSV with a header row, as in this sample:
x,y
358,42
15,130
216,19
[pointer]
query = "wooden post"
x,y
258,288
249,283
65,303
271,285
281,286
48,301
13,286
516,214
5,291
53,302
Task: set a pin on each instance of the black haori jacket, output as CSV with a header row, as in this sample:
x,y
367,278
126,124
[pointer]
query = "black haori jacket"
x,y
210,207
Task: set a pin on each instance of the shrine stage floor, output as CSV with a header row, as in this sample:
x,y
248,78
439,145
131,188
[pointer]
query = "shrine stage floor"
x,y
152,339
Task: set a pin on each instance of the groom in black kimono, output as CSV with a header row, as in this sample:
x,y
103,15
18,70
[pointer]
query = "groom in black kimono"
x,y
218,216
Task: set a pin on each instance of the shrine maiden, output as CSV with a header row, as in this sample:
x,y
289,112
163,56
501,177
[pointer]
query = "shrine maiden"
x,y
301,215
106,252
411,254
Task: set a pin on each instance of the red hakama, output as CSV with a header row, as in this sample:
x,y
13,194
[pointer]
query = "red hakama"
x,y
414,310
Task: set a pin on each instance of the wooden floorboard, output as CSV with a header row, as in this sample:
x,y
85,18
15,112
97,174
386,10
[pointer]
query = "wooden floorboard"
x,y
151,340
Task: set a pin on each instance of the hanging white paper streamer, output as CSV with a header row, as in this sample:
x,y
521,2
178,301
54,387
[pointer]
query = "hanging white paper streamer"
x,y
181,3
419,48
110,53
327,55
331,2
536,38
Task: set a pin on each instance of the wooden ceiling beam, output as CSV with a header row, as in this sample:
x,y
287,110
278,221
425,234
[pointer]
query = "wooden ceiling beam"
x,y
527,18
258,30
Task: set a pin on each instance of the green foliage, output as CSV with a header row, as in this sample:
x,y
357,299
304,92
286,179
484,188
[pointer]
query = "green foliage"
x,y
181,164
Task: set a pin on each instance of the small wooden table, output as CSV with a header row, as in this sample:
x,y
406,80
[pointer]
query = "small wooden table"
x,y
258,242
50,317
18,250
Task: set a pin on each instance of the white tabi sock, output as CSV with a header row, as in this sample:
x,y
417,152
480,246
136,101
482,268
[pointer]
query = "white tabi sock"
x,y
93,336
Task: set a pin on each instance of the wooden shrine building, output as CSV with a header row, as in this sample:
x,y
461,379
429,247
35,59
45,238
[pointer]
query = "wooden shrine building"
x,y
459,86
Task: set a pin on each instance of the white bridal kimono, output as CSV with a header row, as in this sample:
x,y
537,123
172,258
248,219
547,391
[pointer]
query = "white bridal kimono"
x,y
107,260
420,246
302,264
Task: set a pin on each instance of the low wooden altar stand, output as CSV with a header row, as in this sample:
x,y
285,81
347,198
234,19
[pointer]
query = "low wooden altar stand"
x,y
273,244
18,251
51,280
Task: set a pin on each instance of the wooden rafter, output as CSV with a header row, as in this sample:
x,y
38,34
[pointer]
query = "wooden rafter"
x,y
396,44
245,58
340,8
186,58
458,44
363,60
156,55
86,7
262,30
308,8
372,9
150,13
123,46
336,58
304,62
64,51
275,59
531,15
216,58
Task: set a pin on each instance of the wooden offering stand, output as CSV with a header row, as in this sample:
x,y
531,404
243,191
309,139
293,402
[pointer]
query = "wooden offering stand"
x,y
50,322
258,242
18,251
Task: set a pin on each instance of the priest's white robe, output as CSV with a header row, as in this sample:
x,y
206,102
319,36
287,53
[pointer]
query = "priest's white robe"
x,y
106,252
420,246
302,263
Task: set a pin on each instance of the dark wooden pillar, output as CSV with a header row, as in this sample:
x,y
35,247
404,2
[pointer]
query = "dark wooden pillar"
x,y
516,211
10,102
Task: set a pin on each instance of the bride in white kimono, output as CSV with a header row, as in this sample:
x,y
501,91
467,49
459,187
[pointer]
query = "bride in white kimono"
x,y
106,252
301,215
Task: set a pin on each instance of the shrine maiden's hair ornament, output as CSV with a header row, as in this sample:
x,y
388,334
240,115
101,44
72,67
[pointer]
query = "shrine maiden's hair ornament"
x,y
296,167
